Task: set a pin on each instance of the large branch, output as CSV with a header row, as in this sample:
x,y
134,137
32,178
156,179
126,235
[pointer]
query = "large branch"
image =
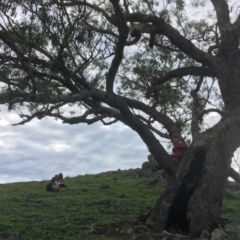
x,y
96,113
181,72
156,115
159,26
22,96
229,33
100,113
234,175
222,11
123,34
206,111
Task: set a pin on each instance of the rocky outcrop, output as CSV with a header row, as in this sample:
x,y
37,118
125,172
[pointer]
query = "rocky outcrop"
x,y
232,230
233,185
132,230
153,161
219,234
150,169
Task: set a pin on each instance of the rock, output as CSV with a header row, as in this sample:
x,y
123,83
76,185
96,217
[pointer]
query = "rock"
x,y
157,181
132,173
152,160
139,172
205,235
142,237
166,234
180,237
163,173
228,194
234,185
151,169
128,228
148,169
218,234
141,229
161,180
233,230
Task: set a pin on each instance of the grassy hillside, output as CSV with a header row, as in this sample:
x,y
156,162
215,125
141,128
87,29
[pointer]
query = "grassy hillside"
x,y
92,207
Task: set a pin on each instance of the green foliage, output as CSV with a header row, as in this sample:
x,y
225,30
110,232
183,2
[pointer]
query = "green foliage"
x,y
57,41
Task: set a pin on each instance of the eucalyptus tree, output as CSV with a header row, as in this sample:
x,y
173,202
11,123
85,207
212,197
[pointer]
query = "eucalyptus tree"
x,y
158,67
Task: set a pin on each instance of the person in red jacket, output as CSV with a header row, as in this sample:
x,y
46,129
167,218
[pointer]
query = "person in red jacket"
x,y
178,149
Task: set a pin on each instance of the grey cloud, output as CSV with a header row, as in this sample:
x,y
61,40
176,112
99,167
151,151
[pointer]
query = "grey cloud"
x,y
40,149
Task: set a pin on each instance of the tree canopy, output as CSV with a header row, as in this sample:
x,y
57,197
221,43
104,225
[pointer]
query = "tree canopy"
x,y
153,56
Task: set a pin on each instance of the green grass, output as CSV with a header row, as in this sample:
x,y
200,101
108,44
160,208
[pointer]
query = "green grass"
x,y
230,207
83,210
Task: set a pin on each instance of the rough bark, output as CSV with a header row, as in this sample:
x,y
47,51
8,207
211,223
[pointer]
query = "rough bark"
x,y
192,200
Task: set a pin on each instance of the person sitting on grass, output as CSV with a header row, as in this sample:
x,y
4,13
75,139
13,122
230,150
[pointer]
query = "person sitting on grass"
x,y
59,180
52,186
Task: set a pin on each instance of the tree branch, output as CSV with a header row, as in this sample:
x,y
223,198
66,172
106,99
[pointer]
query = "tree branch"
x,y
204,112
222,11
137,35
161,134
234,175
181,72
22,96
123,34
39,114
156,115
81,119
159,26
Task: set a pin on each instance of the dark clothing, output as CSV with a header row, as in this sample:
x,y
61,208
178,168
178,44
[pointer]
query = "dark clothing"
x,y
62,185
179,149
49,186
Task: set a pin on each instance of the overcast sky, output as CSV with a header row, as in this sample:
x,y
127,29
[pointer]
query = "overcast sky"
x,y
40,149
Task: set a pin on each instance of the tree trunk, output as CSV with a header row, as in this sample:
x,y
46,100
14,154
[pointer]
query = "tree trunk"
x,y
192,200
